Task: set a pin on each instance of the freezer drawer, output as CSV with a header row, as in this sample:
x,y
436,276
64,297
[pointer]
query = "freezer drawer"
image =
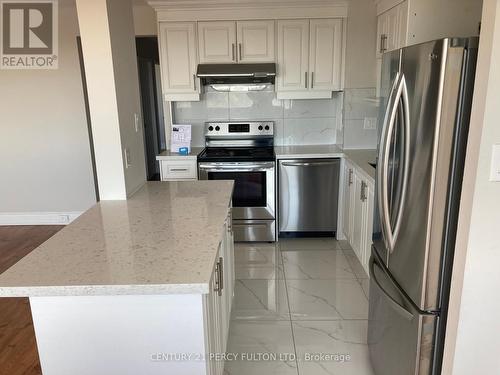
x,y
308,195
400,338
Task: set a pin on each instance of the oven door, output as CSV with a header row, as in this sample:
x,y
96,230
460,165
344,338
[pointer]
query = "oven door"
x,y
253,195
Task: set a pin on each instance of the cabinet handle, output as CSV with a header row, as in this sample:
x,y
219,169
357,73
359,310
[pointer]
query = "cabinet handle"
x,y
239,50
194,82
230,221
312,79
306,75
363,191
232,50
221,275
217,278
383,42
350,177
178,169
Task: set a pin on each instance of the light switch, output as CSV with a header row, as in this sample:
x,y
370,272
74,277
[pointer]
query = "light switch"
x,y
495,164
370,123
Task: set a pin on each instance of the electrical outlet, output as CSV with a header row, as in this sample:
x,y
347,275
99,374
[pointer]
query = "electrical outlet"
x,y
370,123
137,120
495,164
128,160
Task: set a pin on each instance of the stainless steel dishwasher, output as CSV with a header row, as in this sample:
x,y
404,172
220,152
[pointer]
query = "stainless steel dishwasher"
x,y
308,195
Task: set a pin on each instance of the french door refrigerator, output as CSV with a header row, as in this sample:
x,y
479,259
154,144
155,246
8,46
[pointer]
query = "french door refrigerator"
x,y
426,99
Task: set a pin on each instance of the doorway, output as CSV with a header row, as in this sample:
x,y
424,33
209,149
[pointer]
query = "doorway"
x,y
148,65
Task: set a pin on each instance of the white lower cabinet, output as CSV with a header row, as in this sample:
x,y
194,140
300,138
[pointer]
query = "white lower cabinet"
x,y
357,211
218,303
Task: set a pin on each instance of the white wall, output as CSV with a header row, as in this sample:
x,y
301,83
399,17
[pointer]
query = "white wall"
x,y
44,145
478,245
145,23
108,42
360,75
121,24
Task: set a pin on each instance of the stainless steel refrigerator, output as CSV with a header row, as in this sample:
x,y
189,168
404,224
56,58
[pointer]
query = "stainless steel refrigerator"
x,y
424,120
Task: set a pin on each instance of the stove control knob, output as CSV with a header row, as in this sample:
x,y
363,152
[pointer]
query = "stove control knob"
x,y
260,127
267,127
217,128
210,128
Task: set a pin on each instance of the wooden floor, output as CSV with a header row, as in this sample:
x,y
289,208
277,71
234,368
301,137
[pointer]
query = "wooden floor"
x,y
18,353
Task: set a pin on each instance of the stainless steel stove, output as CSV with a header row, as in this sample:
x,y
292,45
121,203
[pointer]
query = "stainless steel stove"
x,y
244,152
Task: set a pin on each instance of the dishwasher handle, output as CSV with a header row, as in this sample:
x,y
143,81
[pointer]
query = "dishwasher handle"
x,y
309,164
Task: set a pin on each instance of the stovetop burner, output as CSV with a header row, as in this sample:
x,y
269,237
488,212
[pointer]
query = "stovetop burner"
x,y
229,154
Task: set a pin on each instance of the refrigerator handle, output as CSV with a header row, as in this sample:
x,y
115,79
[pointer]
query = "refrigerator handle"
x,y
401,96
382,190
395,305
406,163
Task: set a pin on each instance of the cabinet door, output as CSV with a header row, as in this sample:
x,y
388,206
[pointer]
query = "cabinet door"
x,y
217,41
213,325
255,41
178,57
293,55
325,54
382,34
402,30
393,29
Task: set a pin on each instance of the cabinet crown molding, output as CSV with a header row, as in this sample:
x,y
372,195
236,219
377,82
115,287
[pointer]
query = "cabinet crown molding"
x,y
198,10
208,4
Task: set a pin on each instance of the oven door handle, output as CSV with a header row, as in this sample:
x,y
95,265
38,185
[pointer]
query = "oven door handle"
x,y
237,168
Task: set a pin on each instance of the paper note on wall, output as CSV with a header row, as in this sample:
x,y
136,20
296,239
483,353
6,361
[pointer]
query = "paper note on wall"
x,y
181,137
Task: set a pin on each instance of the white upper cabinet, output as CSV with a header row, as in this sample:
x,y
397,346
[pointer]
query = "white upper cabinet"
x,y
293,55
255,41
325,54
391,29
310,55
217,41
179,60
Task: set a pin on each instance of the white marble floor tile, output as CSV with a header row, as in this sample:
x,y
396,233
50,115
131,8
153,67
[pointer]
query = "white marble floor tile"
x,y
260,300
365,284
316,264
344,340
287,244
258,261
326,299
355,264
258,338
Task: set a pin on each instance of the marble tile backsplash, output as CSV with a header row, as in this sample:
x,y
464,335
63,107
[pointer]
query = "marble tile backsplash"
x,y
296,121
359,104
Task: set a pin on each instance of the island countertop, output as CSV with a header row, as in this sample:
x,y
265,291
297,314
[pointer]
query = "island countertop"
x,y
162,240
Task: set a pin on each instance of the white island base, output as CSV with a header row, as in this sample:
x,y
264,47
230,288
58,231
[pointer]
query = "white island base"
x,y
103,335
136,287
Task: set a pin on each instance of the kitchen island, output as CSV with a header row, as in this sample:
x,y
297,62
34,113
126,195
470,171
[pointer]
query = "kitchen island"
x,y
131,286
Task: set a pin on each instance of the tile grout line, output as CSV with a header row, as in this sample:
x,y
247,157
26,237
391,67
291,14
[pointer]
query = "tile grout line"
x,y
289,311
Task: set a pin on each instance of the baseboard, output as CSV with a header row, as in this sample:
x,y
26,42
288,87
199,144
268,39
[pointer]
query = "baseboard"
x,y
38,218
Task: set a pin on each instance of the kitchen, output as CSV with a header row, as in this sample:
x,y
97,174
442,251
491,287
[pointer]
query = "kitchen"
x,y
304,107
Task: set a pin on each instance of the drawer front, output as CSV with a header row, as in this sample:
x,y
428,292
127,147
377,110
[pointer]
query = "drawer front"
x,y
178,170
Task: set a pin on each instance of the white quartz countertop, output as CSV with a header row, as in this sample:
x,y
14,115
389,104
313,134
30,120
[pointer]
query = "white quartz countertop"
x,y
163,240
169,155
308,152
362,158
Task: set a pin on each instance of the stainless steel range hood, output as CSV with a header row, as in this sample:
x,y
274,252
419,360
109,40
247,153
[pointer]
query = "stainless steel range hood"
x,y
237,74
